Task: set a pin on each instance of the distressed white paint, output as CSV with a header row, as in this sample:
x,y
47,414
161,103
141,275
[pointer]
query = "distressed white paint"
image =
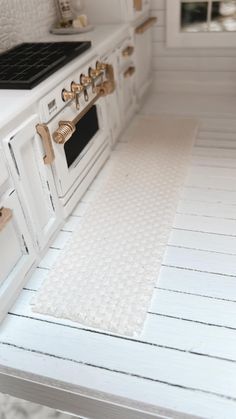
x,y
185,360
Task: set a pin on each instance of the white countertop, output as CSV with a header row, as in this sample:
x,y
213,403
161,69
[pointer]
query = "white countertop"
x,y
15,102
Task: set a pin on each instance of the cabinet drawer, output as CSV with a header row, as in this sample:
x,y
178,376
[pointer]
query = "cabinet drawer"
x,y
17,252
126,53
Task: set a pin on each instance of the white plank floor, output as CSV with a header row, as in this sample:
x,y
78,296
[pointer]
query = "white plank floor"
x,y
185,360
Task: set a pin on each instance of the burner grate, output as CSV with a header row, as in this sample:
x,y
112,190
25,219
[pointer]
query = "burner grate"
x,y
28,64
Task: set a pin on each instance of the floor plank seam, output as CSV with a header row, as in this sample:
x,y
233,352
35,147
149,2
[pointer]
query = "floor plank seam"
x,y
191,320
224,396
195,294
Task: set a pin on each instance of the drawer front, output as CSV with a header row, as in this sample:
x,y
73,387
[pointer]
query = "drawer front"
x,y
17,252
126,53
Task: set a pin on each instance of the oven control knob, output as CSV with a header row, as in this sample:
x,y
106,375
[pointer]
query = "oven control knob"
x,y
67,95
85,80
101,66
76,87
64,132
94,73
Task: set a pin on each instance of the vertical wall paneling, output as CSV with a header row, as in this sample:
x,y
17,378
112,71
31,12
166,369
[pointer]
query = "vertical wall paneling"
x,y
210,70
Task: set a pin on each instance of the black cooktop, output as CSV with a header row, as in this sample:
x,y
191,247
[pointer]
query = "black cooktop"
x,y
28,64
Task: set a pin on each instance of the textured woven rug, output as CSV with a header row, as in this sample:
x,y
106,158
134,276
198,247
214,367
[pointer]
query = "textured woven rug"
x,y
106,275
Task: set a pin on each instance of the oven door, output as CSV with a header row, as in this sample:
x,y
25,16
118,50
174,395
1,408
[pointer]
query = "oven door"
x,y
75,157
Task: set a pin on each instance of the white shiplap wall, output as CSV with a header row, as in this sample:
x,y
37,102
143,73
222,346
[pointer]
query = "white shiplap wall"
x,y
210,70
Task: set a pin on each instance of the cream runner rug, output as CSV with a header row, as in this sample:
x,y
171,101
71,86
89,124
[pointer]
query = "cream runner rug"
x,y
106,275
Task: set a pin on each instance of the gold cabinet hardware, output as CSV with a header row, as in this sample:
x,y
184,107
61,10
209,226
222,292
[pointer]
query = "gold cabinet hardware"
x,y
67,95
44,133
138,5
128,51
64,132
146,25
129,72
5,216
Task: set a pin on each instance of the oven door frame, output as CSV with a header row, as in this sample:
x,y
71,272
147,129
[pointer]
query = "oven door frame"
x,y
67,177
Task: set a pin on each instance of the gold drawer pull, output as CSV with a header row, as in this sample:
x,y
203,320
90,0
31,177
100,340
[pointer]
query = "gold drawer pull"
x,y
44,133
5,216
128,73
138,5
146,25
127,52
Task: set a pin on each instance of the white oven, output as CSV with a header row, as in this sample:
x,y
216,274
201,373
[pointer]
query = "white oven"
x,y
76,139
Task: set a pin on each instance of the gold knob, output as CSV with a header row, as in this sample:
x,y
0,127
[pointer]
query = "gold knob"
x,y
64,132
85,80
94,73
76,87
101,66
67,95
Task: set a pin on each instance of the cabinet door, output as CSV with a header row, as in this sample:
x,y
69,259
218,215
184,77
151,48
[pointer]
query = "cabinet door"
x,y
33,180
143,54
3,170
17,251
128,99
112,101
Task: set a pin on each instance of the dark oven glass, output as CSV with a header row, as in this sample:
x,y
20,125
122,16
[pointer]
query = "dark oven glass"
x,y
86,128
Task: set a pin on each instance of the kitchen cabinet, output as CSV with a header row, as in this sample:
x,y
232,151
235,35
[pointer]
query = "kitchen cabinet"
x,y
33,181
113,110
128,93
17,251
3,171
143,56
134,81
127,79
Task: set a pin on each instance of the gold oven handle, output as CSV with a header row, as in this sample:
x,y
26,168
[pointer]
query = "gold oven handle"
x,y
67,128
129,72
44,133
146,25
5,216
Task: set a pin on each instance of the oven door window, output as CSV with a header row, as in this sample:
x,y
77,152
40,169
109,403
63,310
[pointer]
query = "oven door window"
x,y
86,129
